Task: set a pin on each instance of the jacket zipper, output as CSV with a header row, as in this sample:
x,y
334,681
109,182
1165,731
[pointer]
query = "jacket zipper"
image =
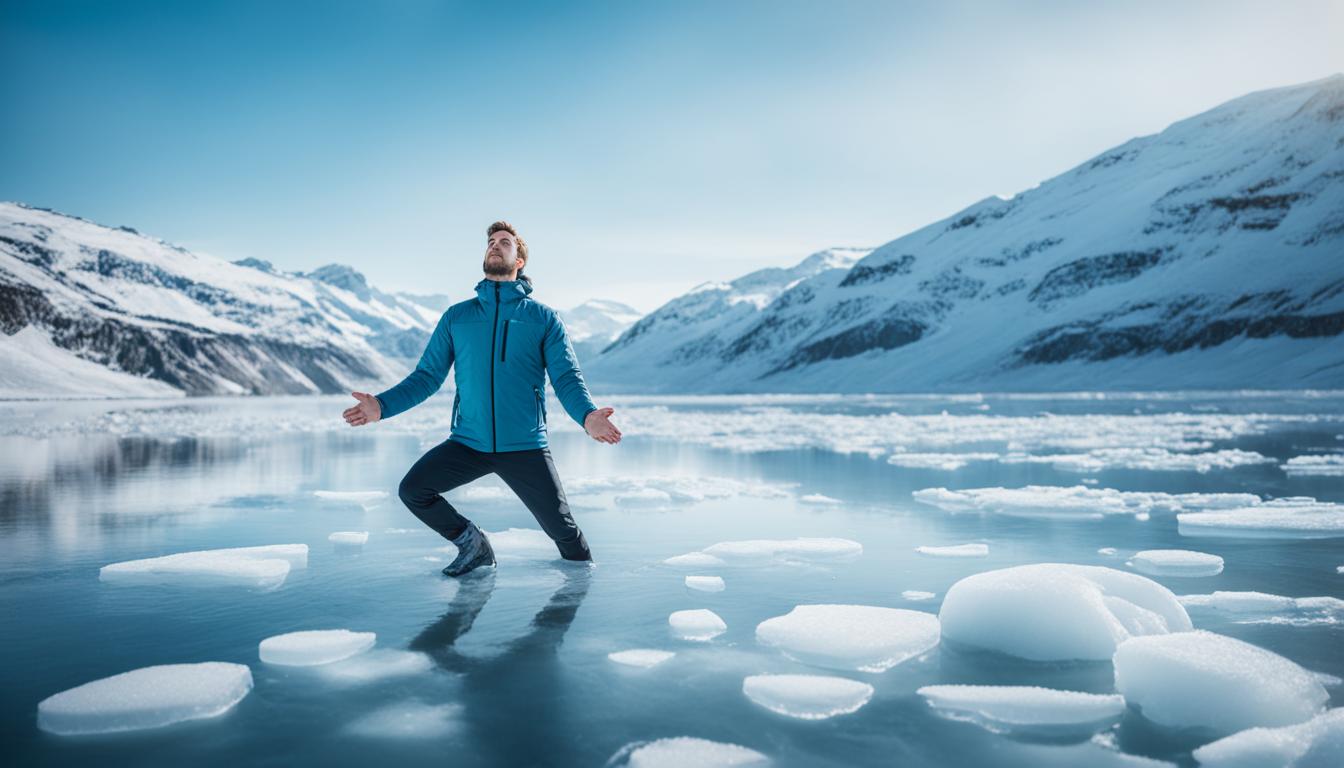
x,y
494,438
505,346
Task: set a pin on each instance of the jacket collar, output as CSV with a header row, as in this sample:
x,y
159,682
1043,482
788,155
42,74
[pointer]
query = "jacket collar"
x,y
509,290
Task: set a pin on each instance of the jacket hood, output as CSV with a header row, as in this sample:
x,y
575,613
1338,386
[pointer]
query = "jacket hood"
x,y
509,290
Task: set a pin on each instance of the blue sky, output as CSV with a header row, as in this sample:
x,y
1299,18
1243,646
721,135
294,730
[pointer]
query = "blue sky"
x,y
640,147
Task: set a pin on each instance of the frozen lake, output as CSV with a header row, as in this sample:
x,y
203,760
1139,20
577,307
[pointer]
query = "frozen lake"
x,y
513,669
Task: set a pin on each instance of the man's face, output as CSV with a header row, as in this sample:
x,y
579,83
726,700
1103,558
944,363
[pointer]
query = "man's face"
x,y
501,254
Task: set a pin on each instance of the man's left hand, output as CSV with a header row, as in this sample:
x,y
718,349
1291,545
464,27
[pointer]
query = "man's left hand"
x,y
599,427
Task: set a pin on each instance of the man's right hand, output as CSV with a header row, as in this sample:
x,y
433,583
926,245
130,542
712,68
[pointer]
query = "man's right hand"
x,y
366,411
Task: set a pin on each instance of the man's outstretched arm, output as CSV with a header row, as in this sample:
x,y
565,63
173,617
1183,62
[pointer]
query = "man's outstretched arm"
x,y
424,381
562,365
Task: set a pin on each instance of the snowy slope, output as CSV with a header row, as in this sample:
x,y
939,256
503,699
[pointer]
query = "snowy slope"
x,y
1208,255
136,305
596,323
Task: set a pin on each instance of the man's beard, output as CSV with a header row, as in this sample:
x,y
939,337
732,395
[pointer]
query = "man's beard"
x,y
497,268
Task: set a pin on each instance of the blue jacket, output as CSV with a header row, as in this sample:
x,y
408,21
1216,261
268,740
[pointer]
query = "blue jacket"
x,y
501,341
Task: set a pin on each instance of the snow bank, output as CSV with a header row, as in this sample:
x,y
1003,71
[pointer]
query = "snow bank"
x,y
1054,611
264,567
699,624
1176,562
857,637
957,550
308,648
641,657
1026,709
1204,680
149,697
705,583
807,697
1317,743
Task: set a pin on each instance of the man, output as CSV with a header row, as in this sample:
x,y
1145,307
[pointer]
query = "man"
x,y
500,341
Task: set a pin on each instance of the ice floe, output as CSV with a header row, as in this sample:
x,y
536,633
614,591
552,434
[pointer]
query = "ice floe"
x,y
1057,611
694,560
376,665
956,550
366,499
1292,517
265,567
705,583
1026,709
1107,551
312,647
1200,679
792,549
641,657
349,538
408,720
1329,464
917,596
664,490
1074,502
865,638
1176,562
698,624
947,461
1317,743
1261,608
807,697
644,497
684,751
818,498
149,697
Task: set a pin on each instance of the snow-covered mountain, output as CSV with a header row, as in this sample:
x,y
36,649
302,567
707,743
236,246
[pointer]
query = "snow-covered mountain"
x,y
596,323
160,319
1208,255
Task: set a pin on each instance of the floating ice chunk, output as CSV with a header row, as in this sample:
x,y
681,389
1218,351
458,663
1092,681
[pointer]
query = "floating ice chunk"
x,y
1261,608
149,697
700,624
958,550
1287,518
1107,551
1200,679
408,720
807,697
684,751
1329,464
1026,709
322,646
366,499
797,549
379,664
644,497
1317,743
1056,611
694,560
1176,562
855,637
705,583
947,461
351,538
1074,502
641,657
817,498
264,567
916,595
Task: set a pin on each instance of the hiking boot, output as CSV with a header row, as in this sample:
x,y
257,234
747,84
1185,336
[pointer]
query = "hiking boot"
x,y
473,551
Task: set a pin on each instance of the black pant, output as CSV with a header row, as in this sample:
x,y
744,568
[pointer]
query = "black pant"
x,y
530,474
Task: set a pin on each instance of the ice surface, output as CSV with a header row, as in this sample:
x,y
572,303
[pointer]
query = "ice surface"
x,y
376,665
311,647
1330,465
264,567
1176,562
1056,611
1261,608
705,583
807,697
793,549
1026,709
149,697
1074,502
1200,679
916,595
408,720
644,497
641,657
352,538
1317,743
521,543
1287,518
694,560
685,752
957,550
365,499
854,637
699,624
